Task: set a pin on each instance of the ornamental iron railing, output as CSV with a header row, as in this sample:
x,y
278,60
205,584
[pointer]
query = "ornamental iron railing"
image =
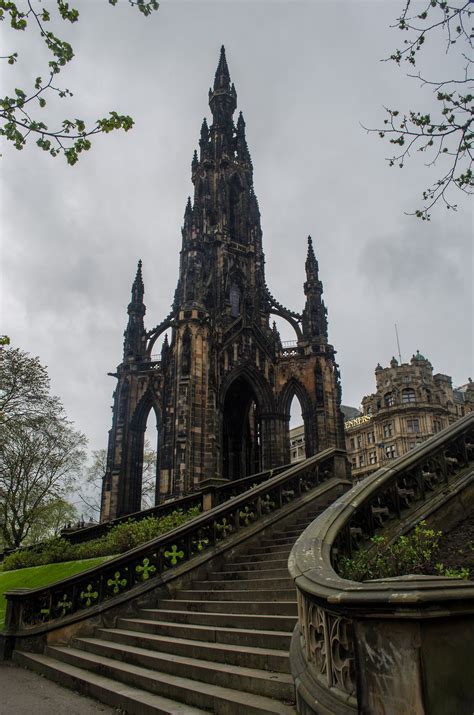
x,y
222,492
132,573
338,659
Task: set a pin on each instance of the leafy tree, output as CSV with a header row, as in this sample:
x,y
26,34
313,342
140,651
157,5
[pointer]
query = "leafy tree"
x,y
51,520
446,135
95,474
20,112
40,451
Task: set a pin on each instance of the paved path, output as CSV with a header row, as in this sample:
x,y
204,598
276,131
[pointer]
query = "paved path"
x,y
26,693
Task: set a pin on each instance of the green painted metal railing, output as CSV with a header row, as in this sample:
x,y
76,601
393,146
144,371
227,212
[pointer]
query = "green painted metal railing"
x,y
133,572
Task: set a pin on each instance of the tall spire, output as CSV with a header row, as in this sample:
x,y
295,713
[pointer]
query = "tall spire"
x,y
311,265
138,288
134,343
222,77
241,142
223,97
204,140
188,213
315,314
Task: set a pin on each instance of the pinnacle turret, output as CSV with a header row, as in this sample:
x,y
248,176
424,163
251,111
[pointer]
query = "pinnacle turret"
x,y
315,313
311,265
223,97
188,212
241,142
135,334
138,288
195,161
222,76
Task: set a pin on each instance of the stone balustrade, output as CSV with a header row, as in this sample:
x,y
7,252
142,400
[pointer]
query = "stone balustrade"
x,y
389,646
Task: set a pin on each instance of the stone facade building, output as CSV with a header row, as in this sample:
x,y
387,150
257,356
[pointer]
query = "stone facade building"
x,y
222,387
409,405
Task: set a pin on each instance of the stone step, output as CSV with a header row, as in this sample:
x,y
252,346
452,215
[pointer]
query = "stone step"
x,y
257,565
270,549
262,556
257,635
123,697
222,585
244,594
251,680
226,614
209,607
232,654
278,541
220,700
245,575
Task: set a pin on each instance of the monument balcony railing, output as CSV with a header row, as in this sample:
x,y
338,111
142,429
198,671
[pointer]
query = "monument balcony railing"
x,y
122,578
354,649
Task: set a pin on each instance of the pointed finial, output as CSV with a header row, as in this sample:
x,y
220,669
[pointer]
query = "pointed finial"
x,y
165,347
311,262
204,130
138,276
188,211
222,77
195,161
240,124
138,287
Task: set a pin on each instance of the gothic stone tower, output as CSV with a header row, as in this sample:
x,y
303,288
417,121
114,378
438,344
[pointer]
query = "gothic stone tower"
x,y
223,387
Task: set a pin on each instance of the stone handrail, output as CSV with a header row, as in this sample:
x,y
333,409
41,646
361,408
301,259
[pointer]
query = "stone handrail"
x,y
221,492
126,576
371,647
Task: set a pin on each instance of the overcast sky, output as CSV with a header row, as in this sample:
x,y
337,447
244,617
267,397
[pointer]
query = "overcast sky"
x,y
307,75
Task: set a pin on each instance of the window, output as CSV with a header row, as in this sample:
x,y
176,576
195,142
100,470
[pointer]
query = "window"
x,y
406,379
408,395
390,451
359,441
370,437
373,457
437,426
361,460
389,400
354,462
413,424
234,300
352,443
411,445
388,429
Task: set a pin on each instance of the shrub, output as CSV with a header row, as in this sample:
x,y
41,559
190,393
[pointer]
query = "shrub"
x,y
119,539
408,554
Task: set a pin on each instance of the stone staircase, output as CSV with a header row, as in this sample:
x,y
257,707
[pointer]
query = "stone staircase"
x,y
219,646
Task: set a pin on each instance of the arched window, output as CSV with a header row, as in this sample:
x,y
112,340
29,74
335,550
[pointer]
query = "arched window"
x,y
408,395
234,297
389,399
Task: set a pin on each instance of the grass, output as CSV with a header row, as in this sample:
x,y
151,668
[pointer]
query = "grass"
x,y
37,576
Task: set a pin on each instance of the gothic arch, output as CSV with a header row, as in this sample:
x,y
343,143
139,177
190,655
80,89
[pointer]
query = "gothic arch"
x,y
256,381
147,402
294,388
136,443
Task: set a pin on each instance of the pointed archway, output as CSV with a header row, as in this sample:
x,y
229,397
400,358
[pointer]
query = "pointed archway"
x,y
242,444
